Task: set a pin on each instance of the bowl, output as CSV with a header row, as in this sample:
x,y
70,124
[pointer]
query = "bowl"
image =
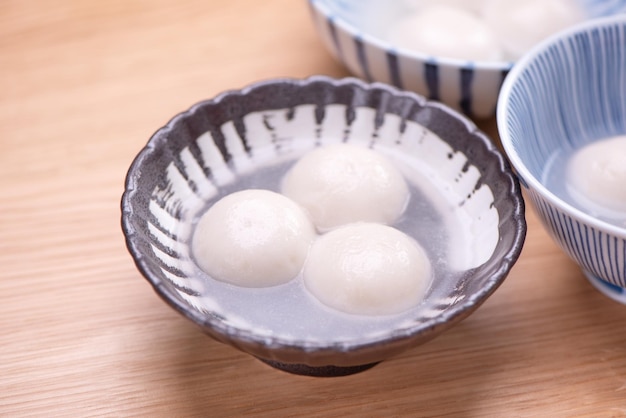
x,y
355,32
568,93
247,139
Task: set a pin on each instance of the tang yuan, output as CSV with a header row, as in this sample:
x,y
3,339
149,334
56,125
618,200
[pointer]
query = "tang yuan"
x,y
521,24
480,30
344,183
596,177
367,269
446,31
253,238
474,6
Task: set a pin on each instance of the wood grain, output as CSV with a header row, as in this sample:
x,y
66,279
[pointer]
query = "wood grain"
x,y
83,85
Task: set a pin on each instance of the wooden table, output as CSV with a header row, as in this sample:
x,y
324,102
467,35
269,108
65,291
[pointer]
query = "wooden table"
x,y
83,84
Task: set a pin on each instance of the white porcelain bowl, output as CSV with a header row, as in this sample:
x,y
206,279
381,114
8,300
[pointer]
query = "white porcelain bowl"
x,y
567,93
354,32
246,139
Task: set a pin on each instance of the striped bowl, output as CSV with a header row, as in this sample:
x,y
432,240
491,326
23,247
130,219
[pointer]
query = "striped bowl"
x,y
243,139
352,31
568,92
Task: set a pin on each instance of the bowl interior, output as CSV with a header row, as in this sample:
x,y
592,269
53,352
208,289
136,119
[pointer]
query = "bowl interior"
x,y
462,191
565,94
355,32
371,19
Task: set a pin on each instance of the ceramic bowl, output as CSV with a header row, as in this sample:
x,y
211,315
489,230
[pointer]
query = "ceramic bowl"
x,y
567,93
355,32
247,139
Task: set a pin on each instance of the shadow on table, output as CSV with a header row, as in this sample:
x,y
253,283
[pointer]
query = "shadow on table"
x,y
493,359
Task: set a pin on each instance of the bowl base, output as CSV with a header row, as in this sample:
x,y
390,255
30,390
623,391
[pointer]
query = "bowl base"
x,y
320,371
614,292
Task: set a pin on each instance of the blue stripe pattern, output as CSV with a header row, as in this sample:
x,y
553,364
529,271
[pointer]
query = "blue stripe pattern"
x,y
348,20
362,58
569,94
431,71
467,76
596,251
588,82
333,34
394,69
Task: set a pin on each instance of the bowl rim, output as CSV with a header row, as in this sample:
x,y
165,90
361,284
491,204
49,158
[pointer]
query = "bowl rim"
x,y
394,337
505,138
355,31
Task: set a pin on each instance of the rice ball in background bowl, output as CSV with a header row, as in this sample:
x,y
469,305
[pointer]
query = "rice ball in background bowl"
x,y
562,122
454,51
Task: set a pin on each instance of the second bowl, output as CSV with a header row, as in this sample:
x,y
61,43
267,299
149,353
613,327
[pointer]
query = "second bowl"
x,y
564,98
356,33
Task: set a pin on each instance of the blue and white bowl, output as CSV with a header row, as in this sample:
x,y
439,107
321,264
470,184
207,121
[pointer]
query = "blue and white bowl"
x,y
566,93
247,138
353,31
